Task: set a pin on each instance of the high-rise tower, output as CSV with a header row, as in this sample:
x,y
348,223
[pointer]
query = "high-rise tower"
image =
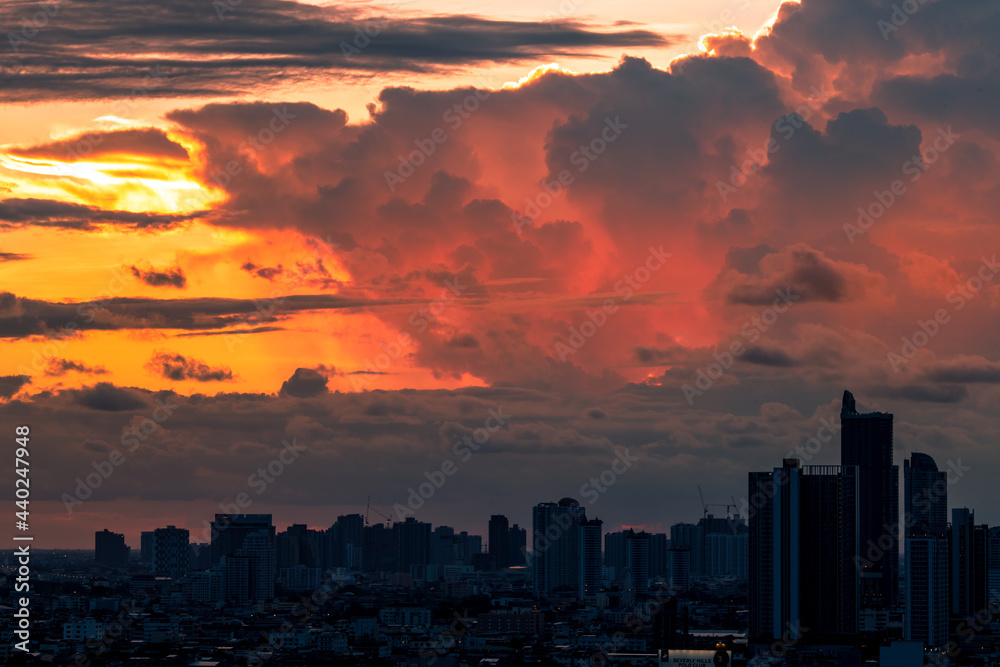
x,y
866,442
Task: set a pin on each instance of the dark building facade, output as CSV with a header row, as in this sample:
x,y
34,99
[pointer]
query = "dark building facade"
x,y
499,541
566,550
803,545
866,442
110,549
925,524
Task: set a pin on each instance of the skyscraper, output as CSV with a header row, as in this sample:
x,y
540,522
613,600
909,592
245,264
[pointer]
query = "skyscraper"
x,y
499,538
925,496
518,545
680,568
803,552
968,564
866,442
345,542
171,554
637,560
566,549
925,523
146,547
229,531
591,534
411,544
110,549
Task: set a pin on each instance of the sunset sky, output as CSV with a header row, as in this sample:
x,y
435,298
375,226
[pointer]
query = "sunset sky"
x,y
681,228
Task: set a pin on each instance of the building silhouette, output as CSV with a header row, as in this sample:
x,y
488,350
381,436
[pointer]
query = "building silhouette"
x,y
566,549
968,564
110,549
499,541
518,545
925,525
243,551
411,544
866,442
171,553
591,572
803,554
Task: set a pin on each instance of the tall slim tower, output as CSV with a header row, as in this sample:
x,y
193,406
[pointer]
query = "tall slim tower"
x,y
866,442
968,564
925,522
499,537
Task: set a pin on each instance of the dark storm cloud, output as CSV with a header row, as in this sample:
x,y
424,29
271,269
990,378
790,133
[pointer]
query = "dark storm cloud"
x,y
763,356
964,369
951,393
105,49
160,278
304,383
60,367
107,397
804,272
65,215
11,384
144,141
178,367
20,317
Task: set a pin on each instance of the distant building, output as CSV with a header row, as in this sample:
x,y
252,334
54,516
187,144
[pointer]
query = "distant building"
x,y
411,542
171,552
345,541
243,547
499,541
110,549
518,545
680,568
591,534
566,549
146,547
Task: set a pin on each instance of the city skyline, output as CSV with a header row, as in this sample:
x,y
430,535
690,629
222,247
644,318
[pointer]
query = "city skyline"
x,y
510,247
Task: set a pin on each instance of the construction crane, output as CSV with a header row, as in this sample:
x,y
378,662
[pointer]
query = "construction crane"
x,y
377,511
705,505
